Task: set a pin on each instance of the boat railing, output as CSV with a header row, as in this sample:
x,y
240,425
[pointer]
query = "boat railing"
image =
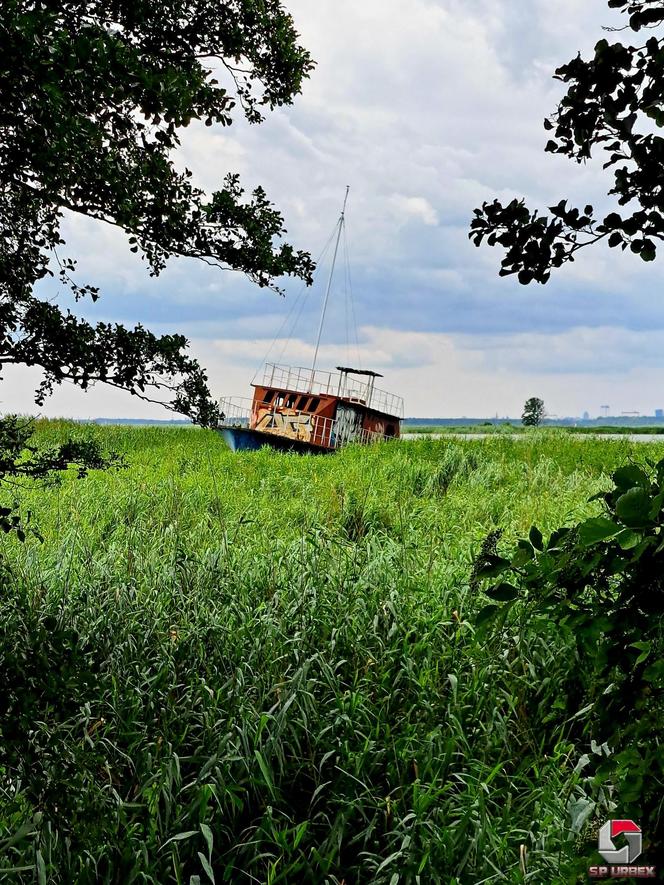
x,y
303,380
240,411
372,436
235,411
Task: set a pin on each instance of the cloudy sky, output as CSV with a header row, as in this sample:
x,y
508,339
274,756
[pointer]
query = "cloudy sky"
x,y
425,109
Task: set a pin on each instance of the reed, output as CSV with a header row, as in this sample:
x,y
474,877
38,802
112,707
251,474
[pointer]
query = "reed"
x,y
262,667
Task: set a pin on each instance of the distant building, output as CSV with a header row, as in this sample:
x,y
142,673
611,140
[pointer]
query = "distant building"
x,y
586,416
659,413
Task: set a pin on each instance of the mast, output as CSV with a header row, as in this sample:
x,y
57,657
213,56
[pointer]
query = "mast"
x,y
340,224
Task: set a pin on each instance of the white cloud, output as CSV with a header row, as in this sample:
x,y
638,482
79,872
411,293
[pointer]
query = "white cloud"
x,y
415,207
426,109
437,374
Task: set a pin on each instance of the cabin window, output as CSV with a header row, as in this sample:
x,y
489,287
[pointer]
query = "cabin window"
x,y
390,430
267,399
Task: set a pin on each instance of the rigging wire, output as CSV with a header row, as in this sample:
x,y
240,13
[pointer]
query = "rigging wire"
x,y
303,301
299,300
340,227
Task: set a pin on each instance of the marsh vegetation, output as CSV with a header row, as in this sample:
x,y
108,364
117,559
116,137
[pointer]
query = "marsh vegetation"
x,y
264,667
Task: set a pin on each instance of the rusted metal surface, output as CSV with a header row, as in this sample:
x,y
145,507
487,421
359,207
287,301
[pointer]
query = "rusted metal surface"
x,y
322,410
340,384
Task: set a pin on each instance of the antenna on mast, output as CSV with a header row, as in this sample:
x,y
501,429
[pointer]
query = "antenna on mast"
x,y
340,225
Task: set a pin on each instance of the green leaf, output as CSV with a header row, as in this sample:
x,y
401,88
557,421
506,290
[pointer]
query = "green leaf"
x,y
582,763
503,592
628,539
300,832
536,539
600,749
655,672
487,614
592,531
557,537
454,682
180,837
581,712
657,503
629,476
25,830
207,834
265,771
41,868
205,863
644,647
492,566
523,555
580,810
633,508
641,548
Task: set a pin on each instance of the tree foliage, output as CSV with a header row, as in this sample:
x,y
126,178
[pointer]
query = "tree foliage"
x,y
533,412
21,458
614,105
93,96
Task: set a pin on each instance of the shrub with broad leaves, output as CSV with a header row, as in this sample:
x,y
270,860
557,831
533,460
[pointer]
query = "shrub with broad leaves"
x,y
602,583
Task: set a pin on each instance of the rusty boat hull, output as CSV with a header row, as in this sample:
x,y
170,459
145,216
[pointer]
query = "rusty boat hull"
x,y
244,439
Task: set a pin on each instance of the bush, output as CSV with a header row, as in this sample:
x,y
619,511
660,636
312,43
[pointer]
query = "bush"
x,y
602,583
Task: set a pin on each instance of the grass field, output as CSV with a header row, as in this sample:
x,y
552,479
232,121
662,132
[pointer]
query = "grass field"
x,y
262,668
463,428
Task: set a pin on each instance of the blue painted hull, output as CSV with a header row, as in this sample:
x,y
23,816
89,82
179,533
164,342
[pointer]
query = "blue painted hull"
x,y
242,439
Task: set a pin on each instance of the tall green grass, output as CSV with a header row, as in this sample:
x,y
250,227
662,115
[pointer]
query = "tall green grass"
x,y
262,667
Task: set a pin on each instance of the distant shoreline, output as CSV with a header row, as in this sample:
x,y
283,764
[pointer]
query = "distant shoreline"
x,y
510,430
615,425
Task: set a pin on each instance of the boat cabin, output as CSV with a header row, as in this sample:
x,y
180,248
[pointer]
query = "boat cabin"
x,y
313,410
